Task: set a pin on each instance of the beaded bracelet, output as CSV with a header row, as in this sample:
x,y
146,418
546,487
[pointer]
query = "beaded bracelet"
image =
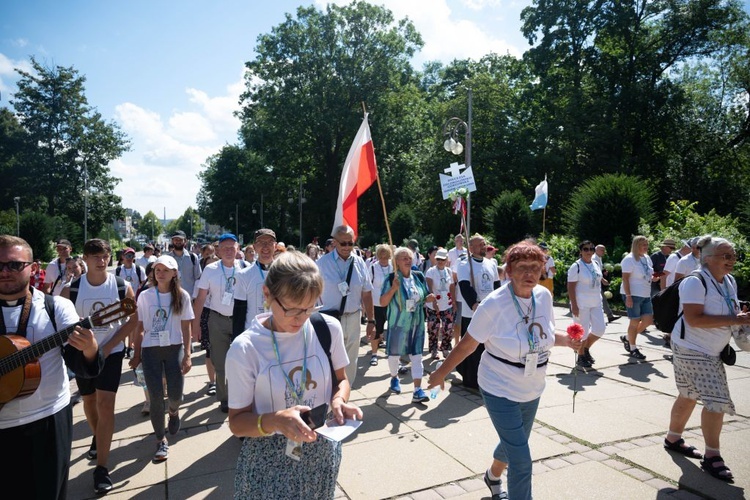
x,y
260,426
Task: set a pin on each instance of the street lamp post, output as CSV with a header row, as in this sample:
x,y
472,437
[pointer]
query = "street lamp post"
x,y
16,200
236,217
302,200
451,129
257,207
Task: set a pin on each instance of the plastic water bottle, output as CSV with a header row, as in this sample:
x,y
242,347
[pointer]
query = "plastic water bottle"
x,y
436,390
140,380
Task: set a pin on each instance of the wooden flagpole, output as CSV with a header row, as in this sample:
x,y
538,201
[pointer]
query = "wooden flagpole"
x,y
380,190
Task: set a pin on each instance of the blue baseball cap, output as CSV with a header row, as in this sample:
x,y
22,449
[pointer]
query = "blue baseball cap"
x,y
227,236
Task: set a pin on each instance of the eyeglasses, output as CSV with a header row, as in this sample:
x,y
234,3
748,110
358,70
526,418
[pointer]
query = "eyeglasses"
x,y
15,267
129,255
588,249
732,257
345,243
294,312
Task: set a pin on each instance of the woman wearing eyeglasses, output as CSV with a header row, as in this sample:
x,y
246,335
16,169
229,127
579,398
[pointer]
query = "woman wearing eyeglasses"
x,y
276,370
708,301
584,291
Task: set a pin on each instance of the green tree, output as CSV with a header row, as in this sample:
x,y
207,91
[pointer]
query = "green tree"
x,y
73,145
509,218
151,226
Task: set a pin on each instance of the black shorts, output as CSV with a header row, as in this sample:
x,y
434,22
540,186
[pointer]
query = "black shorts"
x,y
381,314
107,380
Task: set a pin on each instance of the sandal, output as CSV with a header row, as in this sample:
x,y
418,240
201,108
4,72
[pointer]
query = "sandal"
x,y
718,471
374,361
680,447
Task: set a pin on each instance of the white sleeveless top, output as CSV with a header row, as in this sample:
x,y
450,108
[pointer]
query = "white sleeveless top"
x,y
93,298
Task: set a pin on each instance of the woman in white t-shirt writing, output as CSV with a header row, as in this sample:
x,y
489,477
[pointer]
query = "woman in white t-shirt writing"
x,y
584,291
516,323
710,310
637,275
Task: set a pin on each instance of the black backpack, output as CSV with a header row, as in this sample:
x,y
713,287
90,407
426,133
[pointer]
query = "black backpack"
x,y
667,302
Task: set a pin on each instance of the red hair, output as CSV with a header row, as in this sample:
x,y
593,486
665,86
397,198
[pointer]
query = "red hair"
x,y
524,250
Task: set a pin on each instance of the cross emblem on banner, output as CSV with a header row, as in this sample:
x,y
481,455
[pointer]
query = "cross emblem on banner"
x,y
454,169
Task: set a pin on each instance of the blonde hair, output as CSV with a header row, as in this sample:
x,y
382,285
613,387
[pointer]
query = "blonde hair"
x,y
383,250
637,243
295,276
402,250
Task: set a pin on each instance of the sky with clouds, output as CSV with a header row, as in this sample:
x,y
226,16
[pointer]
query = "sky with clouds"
x,y
170,73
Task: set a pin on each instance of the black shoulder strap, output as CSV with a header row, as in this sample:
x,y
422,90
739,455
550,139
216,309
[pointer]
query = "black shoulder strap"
x,y
192,257
122,287
324,337
138,272
705,289
49,306
118,270
74,286
348,280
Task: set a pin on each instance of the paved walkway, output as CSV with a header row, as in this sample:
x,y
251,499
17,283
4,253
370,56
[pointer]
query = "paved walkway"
x,y
609,448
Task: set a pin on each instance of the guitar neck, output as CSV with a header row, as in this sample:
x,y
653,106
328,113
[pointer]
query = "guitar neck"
x,y
37,349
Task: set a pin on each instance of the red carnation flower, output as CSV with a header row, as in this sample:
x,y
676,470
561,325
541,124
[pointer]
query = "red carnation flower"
x,y
575,331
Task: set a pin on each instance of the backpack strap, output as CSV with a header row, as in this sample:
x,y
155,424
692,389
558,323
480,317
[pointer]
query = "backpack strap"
x,y
118,270
74,286
705,289
122,287
138,273
324,337
49,306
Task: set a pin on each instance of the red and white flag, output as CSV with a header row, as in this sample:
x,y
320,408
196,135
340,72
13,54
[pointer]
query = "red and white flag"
x,y
360,171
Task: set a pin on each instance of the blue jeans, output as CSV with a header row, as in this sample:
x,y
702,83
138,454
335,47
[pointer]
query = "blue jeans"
x,y
513,422
166,361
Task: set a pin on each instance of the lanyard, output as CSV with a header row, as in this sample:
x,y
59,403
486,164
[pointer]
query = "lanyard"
x,y
592,269
525,318
158,301
350,260
299,391
260,268
725,294
230,279
644,265
385,270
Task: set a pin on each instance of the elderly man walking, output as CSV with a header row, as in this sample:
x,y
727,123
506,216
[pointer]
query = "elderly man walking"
x,y
347,291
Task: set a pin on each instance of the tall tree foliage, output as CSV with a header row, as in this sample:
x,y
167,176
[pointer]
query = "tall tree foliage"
x,y
72,146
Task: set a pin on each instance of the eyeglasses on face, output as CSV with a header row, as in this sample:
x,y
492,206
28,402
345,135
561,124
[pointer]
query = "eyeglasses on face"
x,y
588,249
345,243
732,257
14,266
294,312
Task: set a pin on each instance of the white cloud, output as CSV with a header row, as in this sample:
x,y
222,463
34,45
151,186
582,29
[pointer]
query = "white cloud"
x,y
8,75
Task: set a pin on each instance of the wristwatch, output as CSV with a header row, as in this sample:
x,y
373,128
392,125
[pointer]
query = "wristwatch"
x,y
371,321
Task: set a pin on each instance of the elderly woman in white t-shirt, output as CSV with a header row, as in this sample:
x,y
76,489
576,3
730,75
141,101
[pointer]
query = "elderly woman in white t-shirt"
x,y
584,291
709,305
637,275
516,323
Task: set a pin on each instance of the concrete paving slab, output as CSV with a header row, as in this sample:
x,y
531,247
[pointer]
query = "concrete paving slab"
x,y
590,480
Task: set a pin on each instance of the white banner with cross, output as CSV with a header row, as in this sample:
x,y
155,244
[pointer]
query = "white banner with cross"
x,y
457,179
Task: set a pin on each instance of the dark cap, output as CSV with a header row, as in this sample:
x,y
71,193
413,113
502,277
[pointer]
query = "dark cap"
x,y
265,232
329,242
543,245
412,243
64,243
227,236
179,234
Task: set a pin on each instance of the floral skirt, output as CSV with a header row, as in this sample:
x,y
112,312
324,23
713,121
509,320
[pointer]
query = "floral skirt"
x,y
264,471
702,377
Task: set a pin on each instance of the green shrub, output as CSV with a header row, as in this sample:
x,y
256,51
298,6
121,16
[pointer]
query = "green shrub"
x,y
403,222
508,217
609,208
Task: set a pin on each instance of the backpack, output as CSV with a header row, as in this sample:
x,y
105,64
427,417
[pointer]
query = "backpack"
x,y
122,288
667,302
324,337
137,272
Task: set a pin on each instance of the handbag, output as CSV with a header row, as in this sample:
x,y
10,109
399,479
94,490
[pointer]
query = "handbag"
x,y
728,355
337,313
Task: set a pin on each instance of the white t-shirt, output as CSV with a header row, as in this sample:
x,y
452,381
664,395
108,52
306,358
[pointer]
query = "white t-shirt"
x,y
379,274
219,280
485,276
455,256
53,393
640,275
92,298
143,261
588,280
706,340
54,270
249,287
671,266
157,315
549,263
255,375
498,324
441,285
687,265
134,276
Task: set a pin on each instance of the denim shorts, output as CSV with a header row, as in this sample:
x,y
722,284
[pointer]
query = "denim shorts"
x,y
642,306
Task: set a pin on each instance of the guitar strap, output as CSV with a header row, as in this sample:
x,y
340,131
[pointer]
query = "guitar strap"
x,y
23,321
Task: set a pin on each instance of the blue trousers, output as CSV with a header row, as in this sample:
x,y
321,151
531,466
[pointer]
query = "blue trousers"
x,y
513,422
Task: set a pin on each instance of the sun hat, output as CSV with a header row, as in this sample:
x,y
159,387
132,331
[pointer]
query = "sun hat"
x,y
668,242
442,254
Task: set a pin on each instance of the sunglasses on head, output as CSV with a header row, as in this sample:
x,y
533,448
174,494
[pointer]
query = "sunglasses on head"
x,y
16,267
346,243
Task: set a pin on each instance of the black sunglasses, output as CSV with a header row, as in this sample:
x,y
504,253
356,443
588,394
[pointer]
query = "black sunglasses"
x,y
588,249
16,267
345,243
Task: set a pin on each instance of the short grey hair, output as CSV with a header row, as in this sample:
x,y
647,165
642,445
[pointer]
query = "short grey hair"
x,y
402,250
342,229
707,245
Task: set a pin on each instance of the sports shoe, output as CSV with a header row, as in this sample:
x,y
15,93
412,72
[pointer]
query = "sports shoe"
x,y
92,450
374,360
588,356
102,481
419,396
635,353
395,385
667,341
162,451
211,389
496,487
402,368
224,407
583,361
146,408
173,426
625,342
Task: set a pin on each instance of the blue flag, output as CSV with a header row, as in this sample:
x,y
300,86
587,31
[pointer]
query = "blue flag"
x,y
540,196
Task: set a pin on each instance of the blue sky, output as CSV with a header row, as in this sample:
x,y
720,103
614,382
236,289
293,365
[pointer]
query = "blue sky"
x,y
170,73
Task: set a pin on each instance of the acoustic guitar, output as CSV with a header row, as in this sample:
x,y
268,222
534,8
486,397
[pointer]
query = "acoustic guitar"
x,y
20,372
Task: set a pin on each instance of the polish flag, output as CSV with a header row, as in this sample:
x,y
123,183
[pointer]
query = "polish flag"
x,y
360,171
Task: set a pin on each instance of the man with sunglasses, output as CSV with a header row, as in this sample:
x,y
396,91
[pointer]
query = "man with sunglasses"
x,y
55,270
248,294
37,430
356,292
